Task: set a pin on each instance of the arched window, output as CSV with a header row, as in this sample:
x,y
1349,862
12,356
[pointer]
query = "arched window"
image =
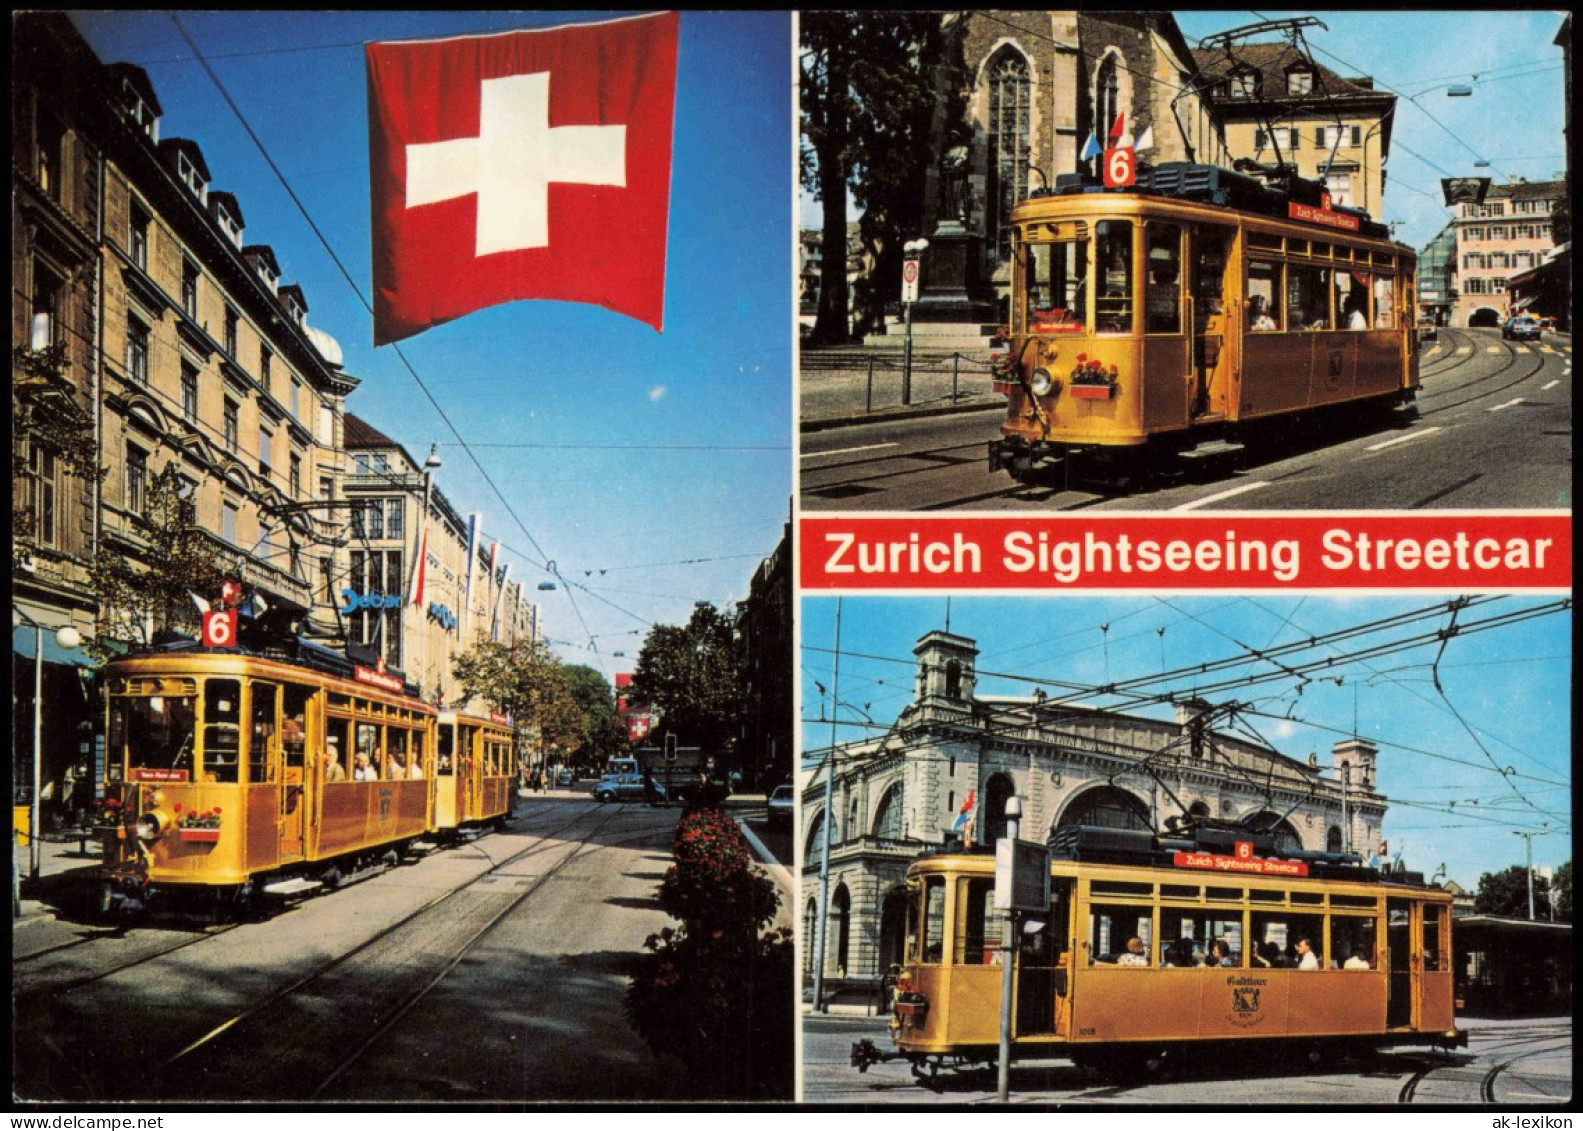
x,y
1107,807
840,930
1286,838
1107,98
813,848
854,820
810,931
1009,130
997,791
953,680
888,817
1333,839
1198,809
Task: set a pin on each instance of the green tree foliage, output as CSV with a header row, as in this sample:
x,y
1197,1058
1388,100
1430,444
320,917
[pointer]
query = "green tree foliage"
x,y
47,418
1506,893
689,676
867,101
1563,892
602,736
180,560
526,681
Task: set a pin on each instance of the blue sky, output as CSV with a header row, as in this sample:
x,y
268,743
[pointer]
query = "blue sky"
x,y
645,448
1451,802
1513,118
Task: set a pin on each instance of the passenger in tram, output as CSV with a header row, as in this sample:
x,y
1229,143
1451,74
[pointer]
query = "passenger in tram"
x,y
1260,314
1135,955
1356,319
1306,958
416,769
1356,961
333,770
1268,956
364,769
1220,953
395,769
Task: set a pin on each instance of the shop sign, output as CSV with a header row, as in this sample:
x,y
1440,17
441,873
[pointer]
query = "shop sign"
x,y
356,600
442,614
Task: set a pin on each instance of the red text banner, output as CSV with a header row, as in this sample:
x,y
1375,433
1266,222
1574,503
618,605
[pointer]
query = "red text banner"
x,y
1453,552
1251,866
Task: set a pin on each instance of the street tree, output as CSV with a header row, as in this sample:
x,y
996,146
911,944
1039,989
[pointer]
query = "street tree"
x,y
602,736
1506,893
689,676
1563,892
526,681
49,426
866,109
137,598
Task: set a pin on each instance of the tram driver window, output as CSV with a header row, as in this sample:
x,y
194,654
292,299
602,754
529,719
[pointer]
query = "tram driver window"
x,y
933,919
261,734
294,724
446,751
222,729
1384,308
155,730
1352,300
1264,285
980,929
1113,252
1435,956
1163,302
1056,283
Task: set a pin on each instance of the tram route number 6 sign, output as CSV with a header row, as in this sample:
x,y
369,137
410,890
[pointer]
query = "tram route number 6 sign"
x,y
1121,166
909,280
219,629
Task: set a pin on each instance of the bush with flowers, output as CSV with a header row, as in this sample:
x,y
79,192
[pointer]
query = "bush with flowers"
x,y
713,992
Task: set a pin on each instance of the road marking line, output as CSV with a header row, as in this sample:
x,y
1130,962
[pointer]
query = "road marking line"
x,y
1508,404
1546,349
1552,385
1402,439
1492,349
1464,349
1223,495
849,451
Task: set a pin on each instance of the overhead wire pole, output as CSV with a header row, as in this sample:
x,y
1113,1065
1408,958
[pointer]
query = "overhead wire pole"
x,y
829,802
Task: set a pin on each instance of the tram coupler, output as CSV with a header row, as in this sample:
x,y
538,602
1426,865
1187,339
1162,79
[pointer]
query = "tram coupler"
x,y
866,1052
1021,458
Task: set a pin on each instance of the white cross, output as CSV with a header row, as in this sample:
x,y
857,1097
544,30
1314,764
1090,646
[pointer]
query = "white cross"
x,y
512,161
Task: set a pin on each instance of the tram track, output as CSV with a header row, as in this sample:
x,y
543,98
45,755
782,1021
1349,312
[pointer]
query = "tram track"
x,y
209,932
1513,360
1554,1042
377,964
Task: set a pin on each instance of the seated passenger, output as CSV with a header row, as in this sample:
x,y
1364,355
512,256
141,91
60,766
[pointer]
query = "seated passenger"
x,y
395,768
1259,314
1220,953
1306,958
1266,955
1135,955
1356,961
333,770
364,770
416,769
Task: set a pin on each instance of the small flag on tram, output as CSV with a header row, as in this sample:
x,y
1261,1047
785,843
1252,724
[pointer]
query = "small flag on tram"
x,y
526,165
1119,127
1145,140
1092,149
966,814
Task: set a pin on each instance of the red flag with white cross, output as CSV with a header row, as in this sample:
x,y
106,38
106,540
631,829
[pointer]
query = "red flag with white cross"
x,y
525,165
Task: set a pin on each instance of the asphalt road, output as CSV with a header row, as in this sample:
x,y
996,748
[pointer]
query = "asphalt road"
x,y
493,971
1518,1063
1493,429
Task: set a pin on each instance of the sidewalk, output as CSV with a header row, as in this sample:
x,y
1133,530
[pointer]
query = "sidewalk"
x,y
62,866
855,384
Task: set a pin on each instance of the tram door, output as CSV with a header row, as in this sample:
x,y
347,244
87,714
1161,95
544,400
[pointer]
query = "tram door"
x,y
472,770
1040,980
294,768
1207,282
1399,936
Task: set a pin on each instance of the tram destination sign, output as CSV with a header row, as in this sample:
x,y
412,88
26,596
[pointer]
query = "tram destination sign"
x,y
377,678
1245,865
1311,215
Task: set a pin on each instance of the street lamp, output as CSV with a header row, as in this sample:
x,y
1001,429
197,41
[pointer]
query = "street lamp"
x,y
68,638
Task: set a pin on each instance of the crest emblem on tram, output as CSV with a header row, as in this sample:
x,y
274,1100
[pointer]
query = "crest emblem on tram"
x,y
1245,1000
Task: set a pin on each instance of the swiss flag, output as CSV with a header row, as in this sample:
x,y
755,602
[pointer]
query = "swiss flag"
x,y
532,164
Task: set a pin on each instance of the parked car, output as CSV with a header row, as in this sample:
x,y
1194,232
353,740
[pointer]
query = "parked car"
x,y
1520,329
781,803
625,787
1428,331
564,779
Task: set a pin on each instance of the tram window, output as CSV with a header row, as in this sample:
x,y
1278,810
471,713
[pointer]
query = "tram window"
x,y
1312,898
1367,901
336,747
1056,280
1435,956
1113,254
1232,894
368,746
1121,887
1307,297
1111,928
294,723
933,919
342,701
1264,240
1275,935
1163,301
396,753
1297,247
1264,283
1185,936
1352,300
153,732
1352,942
1267,895
445,751
261,733
222,729
1384,307
1180,891
980,928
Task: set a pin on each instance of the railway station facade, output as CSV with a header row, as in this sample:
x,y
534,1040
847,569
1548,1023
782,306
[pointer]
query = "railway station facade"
x,y
898,796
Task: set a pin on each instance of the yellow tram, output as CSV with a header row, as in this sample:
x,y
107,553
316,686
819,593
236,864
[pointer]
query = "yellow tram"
x,y
1152,945
240,773
1179,310
475,770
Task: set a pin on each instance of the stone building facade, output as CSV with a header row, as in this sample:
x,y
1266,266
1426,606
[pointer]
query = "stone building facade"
x,y
764,637
899,795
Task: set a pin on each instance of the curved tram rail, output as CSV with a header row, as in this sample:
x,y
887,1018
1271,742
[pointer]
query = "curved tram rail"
x,y
1116,974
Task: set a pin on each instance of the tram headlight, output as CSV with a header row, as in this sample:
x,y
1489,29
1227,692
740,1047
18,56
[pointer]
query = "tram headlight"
x,y
150,825
1042,382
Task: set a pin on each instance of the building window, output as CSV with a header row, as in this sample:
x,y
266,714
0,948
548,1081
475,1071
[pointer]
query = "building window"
x,y
1340,188
136,479
230,331
326,488
1498,285
393,518
233,427
1243,84
294,480
137,238
228,514
377,572
189,287
1473,286
1008,144
1498,232
296,399
1500,259
189,392
266,362
137,351
266,439
1473,233
47,299
1299,82
51,154
374,518
39,492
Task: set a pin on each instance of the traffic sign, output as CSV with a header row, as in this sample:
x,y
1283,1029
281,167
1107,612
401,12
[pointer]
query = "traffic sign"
x,y
909,280
1121,167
